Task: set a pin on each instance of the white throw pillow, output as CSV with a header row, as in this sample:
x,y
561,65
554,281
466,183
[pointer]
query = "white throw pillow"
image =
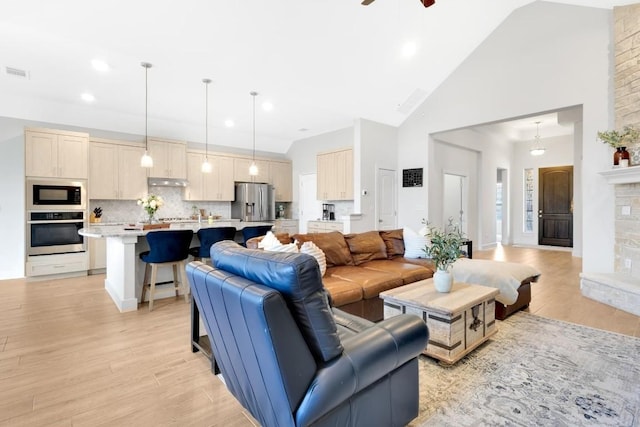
x,y
291,247
414,244
268,241
312,249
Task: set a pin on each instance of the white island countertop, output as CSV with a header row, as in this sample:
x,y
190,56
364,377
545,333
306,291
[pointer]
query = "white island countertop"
x,y
101,230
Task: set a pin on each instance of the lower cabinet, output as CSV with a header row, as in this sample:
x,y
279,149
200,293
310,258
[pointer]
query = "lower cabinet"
x,y
97,254
289,226
324,226
45,265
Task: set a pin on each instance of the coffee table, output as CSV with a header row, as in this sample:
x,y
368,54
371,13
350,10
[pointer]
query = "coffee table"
x,y
458,321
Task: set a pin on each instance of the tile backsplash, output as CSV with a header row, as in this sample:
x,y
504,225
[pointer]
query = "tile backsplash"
x,y
174,207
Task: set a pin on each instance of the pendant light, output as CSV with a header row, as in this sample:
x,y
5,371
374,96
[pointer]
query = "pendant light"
x,y
537,149
206,166
146,161
253,169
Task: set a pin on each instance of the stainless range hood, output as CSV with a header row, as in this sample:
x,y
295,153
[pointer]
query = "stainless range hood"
x,y
167,182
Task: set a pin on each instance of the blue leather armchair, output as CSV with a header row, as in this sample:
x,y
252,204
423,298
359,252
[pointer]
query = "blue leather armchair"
x,y
292,360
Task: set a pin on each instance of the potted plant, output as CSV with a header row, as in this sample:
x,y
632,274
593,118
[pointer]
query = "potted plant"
x,y
620,140
444,250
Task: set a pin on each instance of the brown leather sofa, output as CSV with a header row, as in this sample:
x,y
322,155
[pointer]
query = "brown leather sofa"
x,y
361,265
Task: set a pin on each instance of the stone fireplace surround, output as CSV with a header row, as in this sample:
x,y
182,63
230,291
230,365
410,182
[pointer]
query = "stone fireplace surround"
x,y
621,289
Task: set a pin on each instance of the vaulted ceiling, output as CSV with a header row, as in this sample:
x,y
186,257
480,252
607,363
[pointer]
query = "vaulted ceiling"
x,y
321,64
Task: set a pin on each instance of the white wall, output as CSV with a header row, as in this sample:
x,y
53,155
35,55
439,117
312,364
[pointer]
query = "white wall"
x,y
559,152
374,148
12,203
519,70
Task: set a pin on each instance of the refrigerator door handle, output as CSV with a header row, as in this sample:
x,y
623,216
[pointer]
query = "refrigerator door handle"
x,y
262,201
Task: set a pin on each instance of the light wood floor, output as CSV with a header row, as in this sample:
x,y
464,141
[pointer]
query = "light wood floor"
x,y
69,358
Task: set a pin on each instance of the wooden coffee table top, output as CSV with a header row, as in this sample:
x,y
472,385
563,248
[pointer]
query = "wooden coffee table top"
x,y
423,294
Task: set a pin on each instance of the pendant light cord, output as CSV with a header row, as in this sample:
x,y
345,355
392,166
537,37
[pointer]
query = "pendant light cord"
x,y
254,125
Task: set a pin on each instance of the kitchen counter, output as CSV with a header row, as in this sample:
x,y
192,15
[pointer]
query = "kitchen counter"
x,y
125,270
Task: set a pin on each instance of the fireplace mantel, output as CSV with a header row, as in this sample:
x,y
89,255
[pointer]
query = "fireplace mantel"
x,y
630,175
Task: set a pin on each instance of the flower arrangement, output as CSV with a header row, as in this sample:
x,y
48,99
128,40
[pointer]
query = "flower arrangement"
x,y
624,138
151,203
444,248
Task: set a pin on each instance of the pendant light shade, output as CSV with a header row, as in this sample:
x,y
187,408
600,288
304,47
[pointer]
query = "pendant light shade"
x,y
206,166
253,169
146,161
537,149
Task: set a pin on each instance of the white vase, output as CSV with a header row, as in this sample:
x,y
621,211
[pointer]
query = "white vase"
x,y
442,280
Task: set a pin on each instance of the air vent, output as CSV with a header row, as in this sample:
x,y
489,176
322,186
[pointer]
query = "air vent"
x,y
16,72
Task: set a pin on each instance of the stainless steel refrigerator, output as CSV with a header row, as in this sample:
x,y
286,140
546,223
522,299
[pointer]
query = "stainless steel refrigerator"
x,y
254,202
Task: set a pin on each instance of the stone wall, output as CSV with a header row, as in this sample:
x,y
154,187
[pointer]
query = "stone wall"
x,y
627,112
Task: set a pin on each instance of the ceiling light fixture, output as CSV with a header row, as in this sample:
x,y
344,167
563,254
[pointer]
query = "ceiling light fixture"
x,y
537,149
253,169
146,161
267,106
229,123
100,65
87,97
206,166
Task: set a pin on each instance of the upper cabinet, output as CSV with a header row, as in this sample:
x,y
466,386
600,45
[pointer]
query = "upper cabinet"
x,y
280,176
56,153
115,171
241,170
335,175
169,159
215,186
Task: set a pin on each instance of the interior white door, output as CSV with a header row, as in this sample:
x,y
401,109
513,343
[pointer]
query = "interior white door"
x,y
310,209
386,211
455,200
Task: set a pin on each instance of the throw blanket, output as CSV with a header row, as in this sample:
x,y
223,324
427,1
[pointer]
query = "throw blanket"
x,y
504,276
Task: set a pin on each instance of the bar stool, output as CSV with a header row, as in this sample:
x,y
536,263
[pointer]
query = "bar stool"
x,y
254,231
209,236
166,248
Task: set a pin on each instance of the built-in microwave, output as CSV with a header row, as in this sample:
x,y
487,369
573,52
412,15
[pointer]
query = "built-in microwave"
x,y
56,194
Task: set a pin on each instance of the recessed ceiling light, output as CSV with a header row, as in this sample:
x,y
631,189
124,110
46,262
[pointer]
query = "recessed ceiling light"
x,y
409,49
87,97
229,123
100,65
267,106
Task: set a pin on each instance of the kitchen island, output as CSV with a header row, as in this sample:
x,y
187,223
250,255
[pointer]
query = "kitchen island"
x,y
125,270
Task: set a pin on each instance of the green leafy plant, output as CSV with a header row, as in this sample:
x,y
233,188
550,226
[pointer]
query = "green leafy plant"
x,y
624,138
444,248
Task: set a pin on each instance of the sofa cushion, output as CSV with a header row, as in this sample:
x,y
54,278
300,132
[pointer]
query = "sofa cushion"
x,y
372,281
310,248
408,272
366,246
425,262
414,244
297,278
394,242
335,248
342,291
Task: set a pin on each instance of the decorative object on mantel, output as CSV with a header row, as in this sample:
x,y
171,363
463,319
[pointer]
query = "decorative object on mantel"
x,y
151,203
96,215
444,250
620,140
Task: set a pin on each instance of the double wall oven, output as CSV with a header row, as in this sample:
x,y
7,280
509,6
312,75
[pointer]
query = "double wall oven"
x,y
55,213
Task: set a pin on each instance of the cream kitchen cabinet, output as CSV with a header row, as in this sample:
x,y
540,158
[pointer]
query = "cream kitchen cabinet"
x,y
241,170
289,226
335,175
324,226
280,177
56,153
169,159
115,172
215,186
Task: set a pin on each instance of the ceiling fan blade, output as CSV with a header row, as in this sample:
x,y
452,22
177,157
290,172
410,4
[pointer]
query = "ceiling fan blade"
x,y
366,2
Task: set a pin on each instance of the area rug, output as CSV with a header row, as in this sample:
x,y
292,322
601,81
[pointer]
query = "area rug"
x,y
536,372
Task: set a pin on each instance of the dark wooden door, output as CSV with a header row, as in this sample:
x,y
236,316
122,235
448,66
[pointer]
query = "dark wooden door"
x,y
555,206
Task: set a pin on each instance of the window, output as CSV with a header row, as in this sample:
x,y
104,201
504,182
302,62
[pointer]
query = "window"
x,y
528,201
